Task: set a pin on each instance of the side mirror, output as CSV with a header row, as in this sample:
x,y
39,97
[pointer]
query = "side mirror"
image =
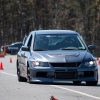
x,y
91,47
25,48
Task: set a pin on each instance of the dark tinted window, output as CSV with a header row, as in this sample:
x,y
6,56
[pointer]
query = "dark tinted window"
x,y
58,41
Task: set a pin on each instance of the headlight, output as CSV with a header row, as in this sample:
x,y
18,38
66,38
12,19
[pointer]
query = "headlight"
x,y
40,64
90,63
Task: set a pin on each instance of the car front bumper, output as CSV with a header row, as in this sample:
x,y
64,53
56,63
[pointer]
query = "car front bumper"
x,y
63,74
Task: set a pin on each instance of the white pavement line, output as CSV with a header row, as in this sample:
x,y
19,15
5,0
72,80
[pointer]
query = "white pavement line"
x,y
85,94
9,74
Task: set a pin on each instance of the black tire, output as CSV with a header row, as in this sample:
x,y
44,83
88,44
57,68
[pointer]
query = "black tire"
x,y
91,83
20,79
28,74
77,82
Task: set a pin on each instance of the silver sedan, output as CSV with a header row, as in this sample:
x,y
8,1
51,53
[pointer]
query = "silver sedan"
x,y
56,56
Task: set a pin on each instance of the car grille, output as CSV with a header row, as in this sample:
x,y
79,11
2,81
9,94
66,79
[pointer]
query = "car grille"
x,y
65,75
76,64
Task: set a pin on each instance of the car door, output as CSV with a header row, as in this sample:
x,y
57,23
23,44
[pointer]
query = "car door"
x,y
25,55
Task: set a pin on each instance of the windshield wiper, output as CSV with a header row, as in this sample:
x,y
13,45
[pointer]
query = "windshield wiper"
x,y
40,50
70,48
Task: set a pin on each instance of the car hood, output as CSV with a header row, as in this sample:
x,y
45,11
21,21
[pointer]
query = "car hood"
x,y
62,56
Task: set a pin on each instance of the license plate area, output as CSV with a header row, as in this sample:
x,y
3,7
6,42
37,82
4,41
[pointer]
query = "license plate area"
x,y
65,75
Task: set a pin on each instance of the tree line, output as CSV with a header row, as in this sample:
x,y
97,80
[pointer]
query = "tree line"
x,y
19,17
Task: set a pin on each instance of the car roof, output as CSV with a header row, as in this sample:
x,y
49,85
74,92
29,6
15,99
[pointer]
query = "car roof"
x,y
54,32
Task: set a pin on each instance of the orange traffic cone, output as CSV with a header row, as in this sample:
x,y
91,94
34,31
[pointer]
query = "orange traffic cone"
x,y
1,66
53,98
10,60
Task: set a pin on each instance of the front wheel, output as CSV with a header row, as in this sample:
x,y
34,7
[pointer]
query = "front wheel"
x,y
20,79
28,74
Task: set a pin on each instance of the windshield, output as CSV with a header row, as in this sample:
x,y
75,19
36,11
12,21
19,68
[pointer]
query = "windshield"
x,y
58,41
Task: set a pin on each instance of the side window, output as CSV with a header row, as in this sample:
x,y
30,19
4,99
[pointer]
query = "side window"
x,y
29,42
